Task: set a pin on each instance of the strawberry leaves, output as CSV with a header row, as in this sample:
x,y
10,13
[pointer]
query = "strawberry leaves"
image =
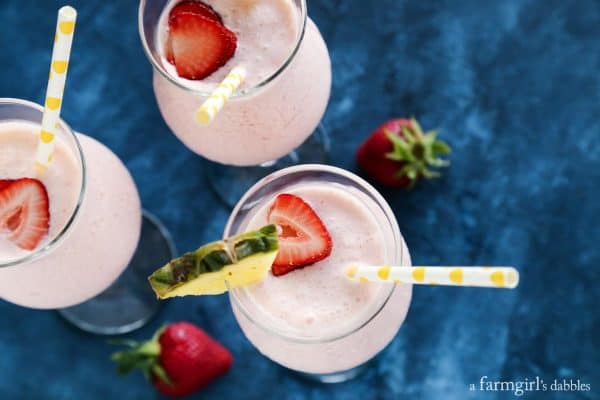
x,y
144,356
418,152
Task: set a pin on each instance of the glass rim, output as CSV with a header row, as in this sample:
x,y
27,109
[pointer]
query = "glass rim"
x,y
34,255
234,294
157,64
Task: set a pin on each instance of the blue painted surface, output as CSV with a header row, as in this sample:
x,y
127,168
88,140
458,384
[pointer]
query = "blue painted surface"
x,y
514,87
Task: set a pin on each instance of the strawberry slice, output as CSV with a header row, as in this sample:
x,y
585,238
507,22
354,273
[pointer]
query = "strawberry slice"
x,y
5,182
303,239
24,212
200,45
169,50
194,7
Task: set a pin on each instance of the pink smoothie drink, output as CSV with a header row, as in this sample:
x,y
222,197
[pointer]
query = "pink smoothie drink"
x,y
18,142
313,320
93,231
282,99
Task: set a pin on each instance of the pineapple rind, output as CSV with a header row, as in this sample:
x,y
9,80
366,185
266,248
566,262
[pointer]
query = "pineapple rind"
x,y
241,260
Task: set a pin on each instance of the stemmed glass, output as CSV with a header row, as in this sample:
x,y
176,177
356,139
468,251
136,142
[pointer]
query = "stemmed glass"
x,y
90,270
262,128
343,352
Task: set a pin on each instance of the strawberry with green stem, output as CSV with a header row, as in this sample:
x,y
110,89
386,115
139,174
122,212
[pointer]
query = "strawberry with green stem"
x,y
398,153
179,359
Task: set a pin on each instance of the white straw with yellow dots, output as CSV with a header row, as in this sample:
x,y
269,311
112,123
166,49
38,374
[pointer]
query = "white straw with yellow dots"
x,y
494,277
63,38
207,112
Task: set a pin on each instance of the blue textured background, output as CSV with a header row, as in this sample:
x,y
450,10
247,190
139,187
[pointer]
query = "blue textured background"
x,y
515,88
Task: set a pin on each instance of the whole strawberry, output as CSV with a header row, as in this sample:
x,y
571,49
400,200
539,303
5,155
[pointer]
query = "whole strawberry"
x,y
179,359
398,153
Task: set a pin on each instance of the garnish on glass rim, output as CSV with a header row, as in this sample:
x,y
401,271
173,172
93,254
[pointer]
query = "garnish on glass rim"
x,y
304,238
295,238
198,43
240,260
194,7
24,212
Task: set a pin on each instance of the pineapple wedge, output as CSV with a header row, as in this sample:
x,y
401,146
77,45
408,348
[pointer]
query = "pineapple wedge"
x,y
237,261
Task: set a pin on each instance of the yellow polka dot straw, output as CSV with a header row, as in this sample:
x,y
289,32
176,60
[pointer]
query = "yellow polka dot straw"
x,y
63,38
494,277
207,112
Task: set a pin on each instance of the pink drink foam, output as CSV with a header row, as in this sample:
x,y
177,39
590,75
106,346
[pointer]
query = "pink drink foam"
x,y
100,244
318,299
